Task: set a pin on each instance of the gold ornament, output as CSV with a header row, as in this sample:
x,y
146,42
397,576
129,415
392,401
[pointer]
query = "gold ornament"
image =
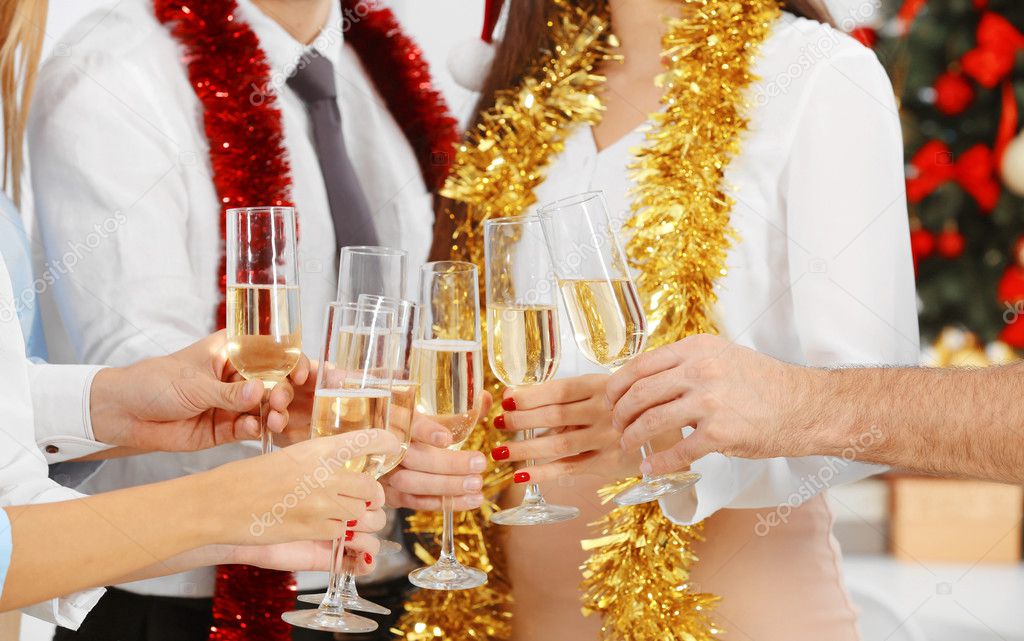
x,y
637,576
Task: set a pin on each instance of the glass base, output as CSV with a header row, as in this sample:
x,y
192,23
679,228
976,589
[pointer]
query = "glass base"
x,y
389,548
656,487
349,602
328,621
540,513
448,575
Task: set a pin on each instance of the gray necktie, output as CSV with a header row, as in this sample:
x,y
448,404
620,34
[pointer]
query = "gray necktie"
x,y
313,81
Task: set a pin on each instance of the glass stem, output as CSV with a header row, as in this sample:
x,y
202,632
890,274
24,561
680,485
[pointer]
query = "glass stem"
x,y
332,599
348,582
266,437
645,451
448,532
533,495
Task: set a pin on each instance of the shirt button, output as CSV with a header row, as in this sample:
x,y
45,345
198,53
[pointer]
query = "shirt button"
x,y
52,449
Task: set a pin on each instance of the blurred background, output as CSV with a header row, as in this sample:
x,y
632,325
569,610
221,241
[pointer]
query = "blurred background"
x,y
926,559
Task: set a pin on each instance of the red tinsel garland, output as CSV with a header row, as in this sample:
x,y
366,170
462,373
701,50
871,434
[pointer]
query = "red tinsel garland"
x,y
231,77
250,167
402,76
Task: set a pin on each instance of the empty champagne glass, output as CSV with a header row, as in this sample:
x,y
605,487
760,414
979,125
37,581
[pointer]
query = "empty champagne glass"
x,y
264,329
451,386
371,270
353,392
604,309
403,397
523,345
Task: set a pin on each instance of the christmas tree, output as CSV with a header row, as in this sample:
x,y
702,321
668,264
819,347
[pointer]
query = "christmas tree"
x,y
957,67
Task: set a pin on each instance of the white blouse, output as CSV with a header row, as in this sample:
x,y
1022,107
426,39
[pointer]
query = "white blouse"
x,y
23,470
822,273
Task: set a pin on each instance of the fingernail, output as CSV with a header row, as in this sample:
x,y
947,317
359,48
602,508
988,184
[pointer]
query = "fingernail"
x,y
645,468
368,558
251,386
521,477
499,453
368,503
478,463
476,500
508,404
473,484
441,439
349,534
350,523
499,421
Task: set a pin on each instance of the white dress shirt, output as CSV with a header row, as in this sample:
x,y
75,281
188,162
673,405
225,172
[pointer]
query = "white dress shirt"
x,y
821,274
23,470
125,194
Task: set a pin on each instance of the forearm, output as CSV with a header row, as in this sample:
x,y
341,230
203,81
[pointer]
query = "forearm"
x,y
60,548
954,422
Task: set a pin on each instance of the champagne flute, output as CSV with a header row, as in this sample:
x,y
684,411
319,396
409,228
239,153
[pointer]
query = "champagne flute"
x,y
403,396
523,346
604,309
263,326
378,271
451,387
353,392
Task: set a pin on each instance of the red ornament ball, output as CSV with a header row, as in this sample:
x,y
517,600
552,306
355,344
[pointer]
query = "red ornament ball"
x,y
1011,285
950,243
953,93
922,243
866,36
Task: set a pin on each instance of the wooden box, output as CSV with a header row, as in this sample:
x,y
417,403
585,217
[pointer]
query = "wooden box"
x,y
955,521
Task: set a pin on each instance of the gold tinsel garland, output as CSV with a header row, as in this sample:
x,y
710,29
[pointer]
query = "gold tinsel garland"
x,y
637,575
639,568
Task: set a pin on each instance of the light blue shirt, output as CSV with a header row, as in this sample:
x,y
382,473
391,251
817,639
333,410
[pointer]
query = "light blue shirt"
x,y
17,253
6,548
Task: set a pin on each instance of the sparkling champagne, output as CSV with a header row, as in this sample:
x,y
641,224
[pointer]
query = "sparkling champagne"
x,y
451,382
524,347
264,335
338,411
403,409
606,319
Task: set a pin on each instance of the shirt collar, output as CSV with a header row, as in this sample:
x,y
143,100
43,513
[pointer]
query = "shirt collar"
x,y
282,50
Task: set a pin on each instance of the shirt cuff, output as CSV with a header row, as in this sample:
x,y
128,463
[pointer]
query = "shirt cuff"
x,y
60,400
68,611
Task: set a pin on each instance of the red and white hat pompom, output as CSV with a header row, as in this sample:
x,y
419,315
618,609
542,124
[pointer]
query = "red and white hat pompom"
x,y
470,61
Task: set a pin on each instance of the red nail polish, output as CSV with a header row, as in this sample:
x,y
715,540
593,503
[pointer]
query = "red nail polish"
x,y
368,558
368,503
508,404
350,523
499,421
349,534
499,453
521,477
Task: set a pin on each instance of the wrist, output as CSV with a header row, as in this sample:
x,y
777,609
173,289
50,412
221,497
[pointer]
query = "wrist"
x,y
822,415
110,423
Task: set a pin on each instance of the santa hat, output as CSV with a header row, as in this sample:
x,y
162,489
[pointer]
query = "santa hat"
x,y
470,61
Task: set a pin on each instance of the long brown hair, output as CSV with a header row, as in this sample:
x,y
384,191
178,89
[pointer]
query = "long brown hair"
x,y
525,34
22,24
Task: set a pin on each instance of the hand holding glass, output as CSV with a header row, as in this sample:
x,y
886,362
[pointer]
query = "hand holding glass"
x,y
523,343
603,306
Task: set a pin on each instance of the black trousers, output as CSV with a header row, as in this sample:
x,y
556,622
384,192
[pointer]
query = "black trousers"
x,y
125,616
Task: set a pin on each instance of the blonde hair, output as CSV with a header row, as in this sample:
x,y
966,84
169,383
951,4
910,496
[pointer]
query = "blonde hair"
x,y
22,24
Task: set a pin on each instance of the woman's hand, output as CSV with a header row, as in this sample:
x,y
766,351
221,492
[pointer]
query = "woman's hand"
x,y
581,439
430,471
299,493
